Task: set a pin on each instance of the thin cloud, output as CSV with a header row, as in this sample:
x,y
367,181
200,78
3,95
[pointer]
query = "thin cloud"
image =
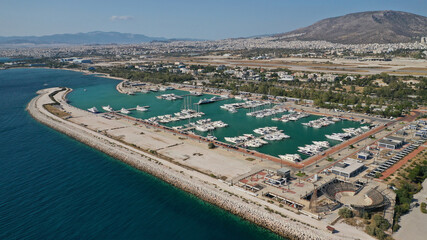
x,y
121,18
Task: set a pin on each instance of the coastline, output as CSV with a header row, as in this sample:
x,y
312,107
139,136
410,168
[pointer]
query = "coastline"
x,y
177,176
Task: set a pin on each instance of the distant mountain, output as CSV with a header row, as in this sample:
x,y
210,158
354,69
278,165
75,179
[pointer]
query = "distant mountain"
x,y
82,38
365,27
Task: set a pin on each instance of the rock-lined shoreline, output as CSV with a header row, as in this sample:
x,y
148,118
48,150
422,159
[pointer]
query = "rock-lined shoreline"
x,y
257,214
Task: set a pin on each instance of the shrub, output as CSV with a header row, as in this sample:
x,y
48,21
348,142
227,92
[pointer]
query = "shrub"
x,y
395,227
211,146
380,222
423,207
378,226
365,215
345,213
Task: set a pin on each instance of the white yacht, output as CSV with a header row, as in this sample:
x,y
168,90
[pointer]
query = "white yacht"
x,y
142,109
339,136
124,111
202,128
324,144
107,108
211,137
291,157
266,130
93,110
232,110
254,143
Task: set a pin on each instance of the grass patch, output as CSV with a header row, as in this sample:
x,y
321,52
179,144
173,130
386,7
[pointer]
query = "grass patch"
x,y
56,111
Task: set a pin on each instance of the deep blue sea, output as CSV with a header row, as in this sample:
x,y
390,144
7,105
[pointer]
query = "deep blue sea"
x,y
53,187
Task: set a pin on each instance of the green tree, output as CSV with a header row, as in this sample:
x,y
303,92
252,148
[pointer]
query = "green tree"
x,y
345,213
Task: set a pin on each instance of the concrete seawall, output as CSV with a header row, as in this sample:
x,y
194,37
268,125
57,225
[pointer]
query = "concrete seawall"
x,y
283,226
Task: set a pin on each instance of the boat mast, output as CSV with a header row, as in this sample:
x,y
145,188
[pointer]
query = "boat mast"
x,y
183,104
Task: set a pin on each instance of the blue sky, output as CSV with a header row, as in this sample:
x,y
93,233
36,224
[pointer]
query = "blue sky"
x,y
213,19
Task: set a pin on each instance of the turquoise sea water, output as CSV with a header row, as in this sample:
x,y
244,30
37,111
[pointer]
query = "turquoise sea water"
x,y
99,95
3,59
53,187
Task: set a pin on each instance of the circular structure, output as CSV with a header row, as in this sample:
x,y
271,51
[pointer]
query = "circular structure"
x,y
375,198
351,198
339,188
351,195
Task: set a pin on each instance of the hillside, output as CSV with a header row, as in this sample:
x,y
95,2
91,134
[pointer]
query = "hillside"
x,y
365,27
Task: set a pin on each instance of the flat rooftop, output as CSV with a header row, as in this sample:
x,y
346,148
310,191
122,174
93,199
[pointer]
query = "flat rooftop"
x,y
393,138
388,142
348,166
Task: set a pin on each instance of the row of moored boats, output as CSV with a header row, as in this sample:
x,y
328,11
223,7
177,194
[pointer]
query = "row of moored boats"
x,y
182,115
321,122
315,148
266,112
249,140
210,100
108,108
156,89
293,116
204,125
170,97
347,134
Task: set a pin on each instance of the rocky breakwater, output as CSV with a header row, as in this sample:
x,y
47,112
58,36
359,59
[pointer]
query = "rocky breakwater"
x,y
255,213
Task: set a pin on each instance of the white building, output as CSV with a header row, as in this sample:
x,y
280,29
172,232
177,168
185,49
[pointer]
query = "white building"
x,y
329,77
348,168
284,76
